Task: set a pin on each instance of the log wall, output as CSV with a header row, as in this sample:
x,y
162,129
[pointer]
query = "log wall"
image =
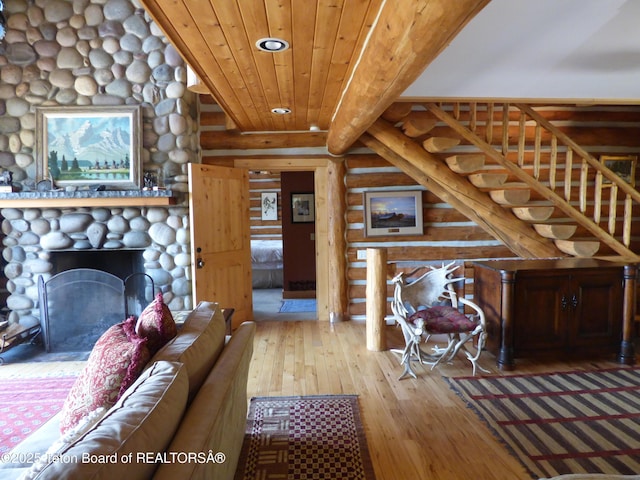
x,y
263,182
448,236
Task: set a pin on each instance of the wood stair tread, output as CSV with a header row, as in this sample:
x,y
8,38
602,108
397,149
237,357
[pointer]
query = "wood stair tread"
x,y
416,124
578,248
440,144
488,180
533,214
556,231
511,196
465,163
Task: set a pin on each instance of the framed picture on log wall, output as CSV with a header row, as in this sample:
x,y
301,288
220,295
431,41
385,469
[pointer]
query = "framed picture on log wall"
x,y
302,208
80,146
269,205
622,165
393,213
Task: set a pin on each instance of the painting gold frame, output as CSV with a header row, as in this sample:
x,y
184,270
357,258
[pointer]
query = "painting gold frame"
x,y
84,146
622,165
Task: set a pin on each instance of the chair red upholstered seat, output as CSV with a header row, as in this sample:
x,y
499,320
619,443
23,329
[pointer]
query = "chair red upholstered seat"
x,y
443,319
429,305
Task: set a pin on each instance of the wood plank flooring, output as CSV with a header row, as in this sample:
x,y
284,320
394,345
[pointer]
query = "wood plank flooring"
x,y
416,428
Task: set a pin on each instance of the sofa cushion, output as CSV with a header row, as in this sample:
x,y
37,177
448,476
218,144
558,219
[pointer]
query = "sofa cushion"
x,y
216,419
156,324
115,362
198,344
63,442
143,421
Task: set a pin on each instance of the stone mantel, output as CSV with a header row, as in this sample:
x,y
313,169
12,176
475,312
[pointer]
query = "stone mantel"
x,y
87,198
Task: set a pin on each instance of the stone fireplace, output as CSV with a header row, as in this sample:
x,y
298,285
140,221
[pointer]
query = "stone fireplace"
x,y
121,262
43,241
100,53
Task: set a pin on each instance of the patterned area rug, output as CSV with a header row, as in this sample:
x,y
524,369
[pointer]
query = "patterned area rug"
x,y
299,438
27,404
569,422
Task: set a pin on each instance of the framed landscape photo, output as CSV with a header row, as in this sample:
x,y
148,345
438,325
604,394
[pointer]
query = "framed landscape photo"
x,y
393,213
302,208
84,146
622,165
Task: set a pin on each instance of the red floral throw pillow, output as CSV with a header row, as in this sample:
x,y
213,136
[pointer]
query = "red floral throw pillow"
x,y
116,361
156,324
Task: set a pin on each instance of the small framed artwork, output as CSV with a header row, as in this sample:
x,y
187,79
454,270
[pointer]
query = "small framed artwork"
x,y
269,206
302,208
393,213
622,165
80,146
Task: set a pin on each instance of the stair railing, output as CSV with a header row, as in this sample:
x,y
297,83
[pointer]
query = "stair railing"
x,y
477,123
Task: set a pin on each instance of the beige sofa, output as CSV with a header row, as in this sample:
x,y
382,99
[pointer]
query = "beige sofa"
x,y
183,418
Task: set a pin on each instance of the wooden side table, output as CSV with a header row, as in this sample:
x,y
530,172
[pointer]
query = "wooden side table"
x,y
570,307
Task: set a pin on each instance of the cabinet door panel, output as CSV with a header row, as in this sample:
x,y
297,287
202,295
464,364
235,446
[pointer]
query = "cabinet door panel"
x,y
598,313
540,322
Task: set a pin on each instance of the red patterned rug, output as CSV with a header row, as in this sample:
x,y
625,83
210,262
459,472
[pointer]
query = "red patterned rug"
x,y
26,404
565,422
301,438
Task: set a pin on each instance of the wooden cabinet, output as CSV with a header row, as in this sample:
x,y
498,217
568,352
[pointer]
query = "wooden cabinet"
x,y
557,307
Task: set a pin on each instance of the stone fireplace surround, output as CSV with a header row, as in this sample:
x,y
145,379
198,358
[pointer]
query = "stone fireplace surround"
x,y
32,234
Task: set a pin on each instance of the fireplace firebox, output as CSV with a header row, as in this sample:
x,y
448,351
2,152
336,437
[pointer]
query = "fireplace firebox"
x,y
78,305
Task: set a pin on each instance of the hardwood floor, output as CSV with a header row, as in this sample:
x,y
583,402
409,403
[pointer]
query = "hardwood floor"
x,y
416,428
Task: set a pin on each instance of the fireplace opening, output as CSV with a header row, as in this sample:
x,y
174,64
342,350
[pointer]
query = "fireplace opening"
x,y
88,292
120,263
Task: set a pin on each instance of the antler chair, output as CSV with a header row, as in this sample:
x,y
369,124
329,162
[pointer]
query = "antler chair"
x,y
429,305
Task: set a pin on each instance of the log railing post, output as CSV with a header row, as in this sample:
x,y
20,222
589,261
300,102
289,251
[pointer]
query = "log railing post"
x,y
376,293
337,207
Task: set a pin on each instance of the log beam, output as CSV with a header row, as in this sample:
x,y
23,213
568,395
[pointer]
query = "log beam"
x,y
428,170
230,140
376,293
406,37
337,208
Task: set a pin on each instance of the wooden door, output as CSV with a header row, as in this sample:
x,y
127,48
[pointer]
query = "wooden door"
x,y
220,238
540,322
597,322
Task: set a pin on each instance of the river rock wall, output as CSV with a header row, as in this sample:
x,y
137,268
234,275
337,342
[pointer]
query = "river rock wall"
x,y
94,53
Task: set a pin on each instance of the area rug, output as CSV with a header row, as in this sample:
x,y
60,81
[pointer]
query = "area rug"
x,y
298,305
308,437
27,404
566,422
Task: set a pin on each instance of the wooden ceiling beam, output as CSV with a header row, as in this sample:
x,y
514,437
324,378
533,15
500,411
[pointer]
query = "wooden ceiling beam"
x,y
406,38
227,140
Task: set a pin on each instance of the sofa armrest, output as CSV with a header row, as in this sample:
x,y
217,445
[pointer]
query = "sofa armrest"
x,y
216,419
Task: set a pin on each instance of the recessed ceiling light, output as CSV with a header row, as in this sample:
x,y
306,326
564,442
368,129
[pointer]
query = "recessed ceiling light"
x,y
281,110
272,44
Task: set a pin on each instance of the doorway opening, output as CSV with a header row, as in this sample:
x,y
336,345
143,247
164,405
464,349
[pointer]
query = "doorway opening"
x,y
283,250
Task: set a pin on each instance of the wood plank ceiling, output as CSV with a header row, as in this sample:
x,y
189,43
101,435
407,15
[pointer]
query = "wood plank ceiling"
x,y
217,39
387,43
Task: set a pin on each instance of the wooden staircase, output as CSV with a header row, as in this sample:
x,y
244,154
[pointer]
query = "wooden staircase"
x,y
551,184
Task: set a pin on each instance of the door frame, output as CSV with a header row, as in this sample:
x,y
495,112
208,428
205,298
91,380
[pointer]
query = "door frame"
x,y
319,166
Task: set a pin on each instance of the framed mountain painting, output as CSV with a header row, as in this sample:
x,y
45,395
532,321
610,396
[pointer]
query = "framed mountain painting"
x,y
84,146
